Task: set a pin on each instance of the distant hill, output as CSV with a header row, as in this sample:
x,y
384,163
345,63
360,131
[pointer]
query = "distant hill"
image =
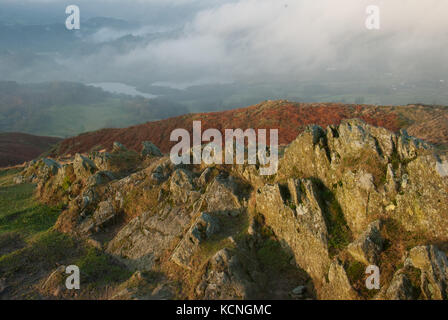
x,y
426,122
16,148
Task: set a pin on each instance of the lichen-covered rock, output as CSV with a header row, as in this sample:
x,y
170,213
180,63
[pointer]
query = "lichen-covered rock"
x,y
83,166
295,215
147,237
422,203
100,178
181,185
223,196
368,246
400,288
202,229
226,278
338,286
42,170
103,214
141,286
161,171
433,265
102,160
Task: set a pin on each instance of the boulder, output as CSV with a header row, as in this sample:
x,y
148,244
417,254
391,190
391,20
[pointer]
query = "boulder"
x,y
367,248
181,185
118,147
83,167
103,214
100,178
150,149
222,196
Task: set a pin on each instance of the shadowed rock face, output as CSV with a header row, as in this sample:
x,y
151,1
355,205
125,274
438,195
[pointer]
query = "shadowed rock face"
x,y
345,197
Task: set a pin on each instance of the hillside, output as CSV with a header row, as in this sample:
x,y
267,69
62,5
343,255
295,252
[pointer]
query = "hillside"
x,y
426,122
16,148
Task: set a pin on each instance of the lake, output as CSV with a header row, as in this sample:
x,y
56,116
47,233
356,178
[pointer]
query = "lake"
x,y
121,88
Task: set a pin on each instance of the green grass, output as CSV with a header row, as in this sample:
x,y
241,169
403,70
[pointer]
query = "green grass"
x,y
20,213
99,269
42,252
31,248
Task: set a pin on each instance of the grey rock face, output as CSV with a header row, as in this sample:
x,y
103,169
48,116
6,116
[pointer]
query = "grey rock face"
x,y
181,185
222,196
145,239
202,229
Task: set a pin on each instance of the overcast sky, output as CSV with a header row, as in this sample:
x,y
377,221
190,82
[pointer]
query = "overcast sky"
x,y
248,40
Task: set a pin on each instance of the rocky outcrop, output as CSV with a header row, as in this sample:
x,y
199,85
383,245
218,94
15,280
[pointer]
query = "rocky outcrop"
x,y
433,265
294,213
103,214
400,288
367,248
83,167
181,185
223,196
226,278
373,172
201,230
211,228
146,238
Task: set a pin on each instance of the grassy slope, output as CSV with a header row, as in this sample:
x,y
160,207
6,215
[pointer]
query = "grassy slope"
x,y
30,249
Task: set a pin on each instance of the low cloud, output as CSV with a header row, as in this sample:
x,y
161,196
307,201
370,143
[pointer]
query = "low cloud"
x,y
247,39
250,40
